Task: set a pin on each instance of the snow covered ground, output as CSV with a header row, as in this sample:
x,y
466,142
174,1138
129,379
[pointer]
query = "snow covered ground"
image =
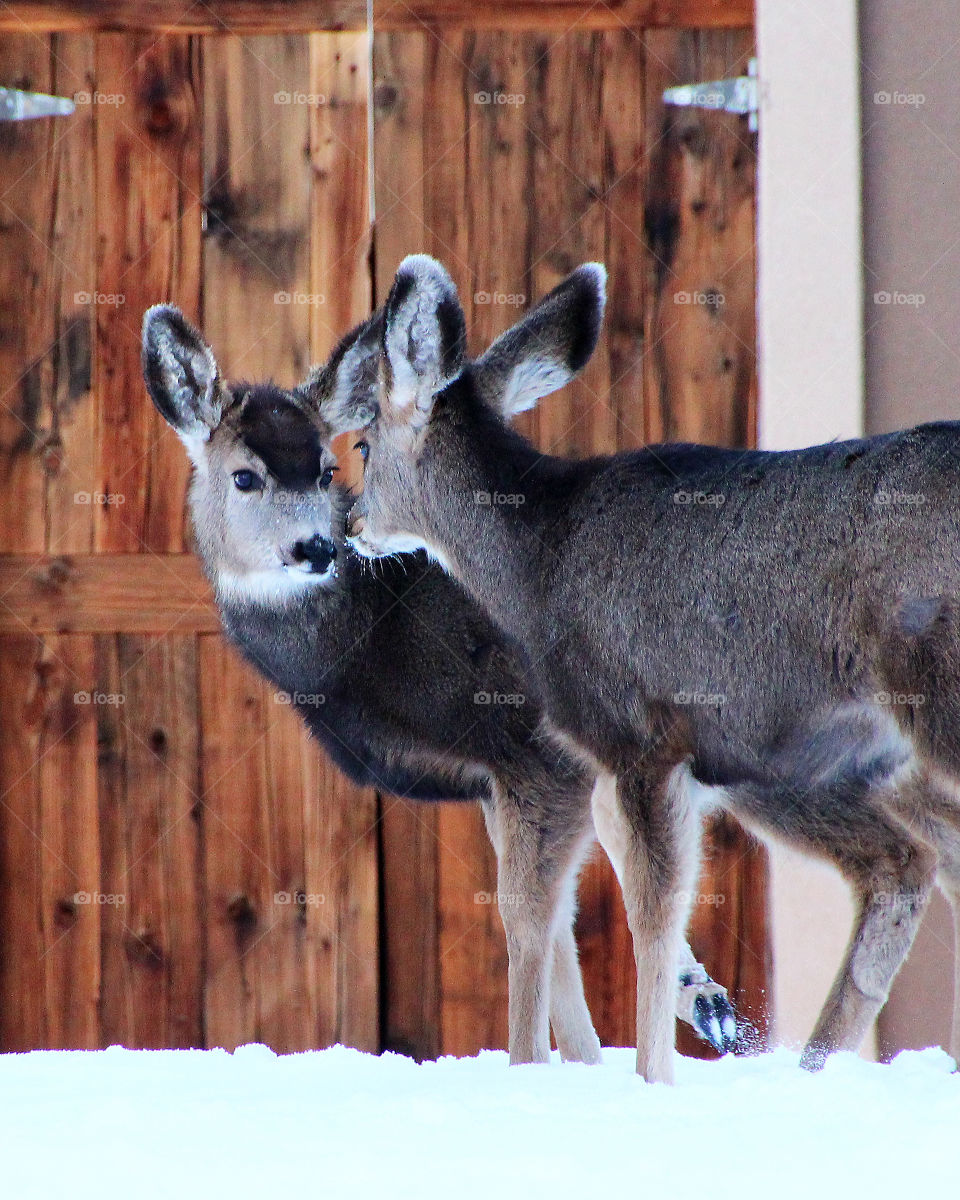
x,y
339,1123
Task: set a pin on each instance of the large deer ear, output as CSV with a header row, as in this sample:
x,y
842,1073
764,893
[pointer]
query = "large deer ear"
x,y
181,373
424,336
344,389
547,347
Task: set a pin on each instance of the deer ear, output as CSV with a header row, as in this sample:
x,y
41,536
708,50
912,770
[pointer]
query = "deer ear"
x,y
424,336
181,373
344,389
548,347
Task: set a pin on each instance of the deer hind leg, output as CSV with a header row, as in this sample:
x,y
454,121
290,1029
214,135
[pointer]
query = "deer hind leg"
x,y
892,874
659,866
933,813
701,1003
539,851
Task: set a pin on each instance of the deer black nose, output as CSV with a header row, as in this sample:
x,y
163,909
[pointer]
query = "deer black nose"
x,y
318,551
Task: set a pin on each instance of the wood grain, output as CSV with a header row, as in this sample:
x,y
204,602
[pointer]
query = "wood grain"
x,y
341,234
150,829
148,187
256,260
26,306
302,16
70,441
701,326
289,884
341,820
410,1004
49,863
102,593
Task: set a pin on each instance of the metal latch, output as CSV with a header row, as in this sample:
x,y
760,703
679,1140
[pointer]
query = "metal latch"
x,y
738,95
16,105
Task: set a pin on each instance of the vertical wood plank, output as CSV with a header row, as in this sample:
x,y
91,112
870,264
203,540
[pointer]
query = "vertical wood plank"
x,y
25,310
256,262
148,224
701,377
23,1017
340,230
71,892
700,385
568,166
290,884
410,1003
340,820
69,456
150,838
49,880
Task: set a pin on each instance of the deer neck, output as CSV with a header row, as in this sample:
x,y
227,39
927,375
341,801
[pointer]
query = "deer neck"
x,y
489,506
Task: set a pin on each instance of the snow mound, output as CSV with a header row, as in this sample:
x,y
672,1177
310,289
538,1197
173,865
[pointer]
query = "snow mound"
x,y
338,1123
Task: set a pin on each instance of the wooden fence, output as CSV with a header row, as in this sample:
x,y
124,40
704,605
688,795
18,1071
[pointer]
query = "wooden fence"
x,y
158,807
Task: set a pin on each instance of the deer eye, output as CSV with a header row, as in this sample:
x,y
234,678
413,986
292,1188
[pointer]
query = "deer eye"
x,y
246,481
327,477
363,448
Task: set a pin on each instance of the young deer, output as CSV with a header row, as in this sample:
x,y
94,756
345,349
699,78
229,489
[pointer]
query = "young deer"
x,y
410,670
777,633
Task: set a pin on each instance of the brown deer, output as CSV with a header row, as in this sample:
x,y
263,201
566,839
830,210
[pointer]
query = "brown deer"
x,y
774,633
397,673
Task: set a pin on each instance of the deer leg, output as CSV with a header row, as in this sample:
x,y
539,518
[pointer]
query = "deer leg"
x,y
537,863
936,819
892,876
570,1018
661,844
701,1003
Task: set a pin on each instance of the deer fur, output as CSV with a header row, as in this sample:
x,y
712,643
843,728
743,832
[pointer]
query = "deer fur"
x,y
774,633
404,681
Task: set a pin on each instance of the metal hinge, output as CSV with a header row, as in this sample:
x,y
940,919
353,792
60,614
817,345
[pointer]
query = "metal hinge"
x,y
16,105
739,95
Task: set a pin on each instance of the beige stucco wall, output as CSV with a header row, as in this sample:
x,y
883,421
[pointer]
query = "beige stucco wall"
x,y
911,161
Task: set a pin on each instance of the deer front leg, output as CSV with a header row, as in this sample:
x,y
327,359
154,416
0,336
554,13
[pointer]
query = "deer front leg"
x,y
701,1002
659,868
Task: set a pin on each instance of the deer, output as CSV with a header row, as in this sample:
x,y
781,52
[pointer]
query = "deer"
x,y
776,634
397,673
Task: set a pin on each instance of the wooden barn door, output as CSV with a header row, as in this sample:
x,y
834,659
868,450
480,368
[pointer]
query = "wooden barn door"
x,y
178,865
514,157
